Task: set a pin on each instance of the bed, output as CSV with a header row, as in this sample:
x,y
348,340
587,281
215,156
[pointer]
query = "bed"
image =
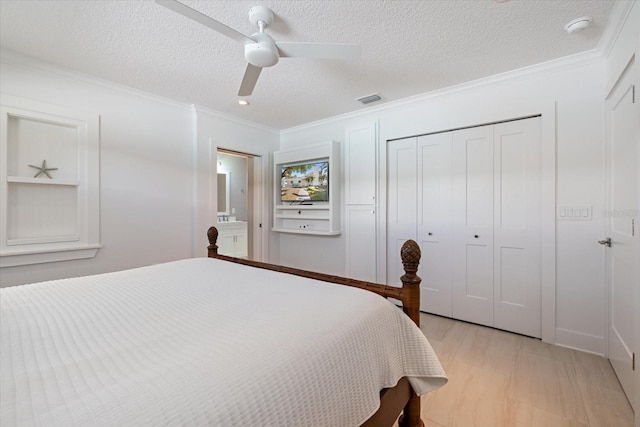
x,y
214,341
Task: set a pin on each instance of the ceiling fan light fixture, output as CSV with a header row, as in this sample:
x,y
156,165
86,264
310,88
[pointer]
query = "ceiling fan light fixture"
x,y
578,24
262,53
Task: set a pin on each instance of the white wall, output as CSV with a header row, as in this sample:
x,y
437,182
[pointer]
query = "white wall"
x,y
149,200
576,86
212,131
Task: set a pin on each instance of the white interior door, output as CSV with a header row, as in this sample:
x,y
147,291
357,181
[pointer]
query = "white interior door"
x,y
401,203
622,256
434,157
516,227
472,250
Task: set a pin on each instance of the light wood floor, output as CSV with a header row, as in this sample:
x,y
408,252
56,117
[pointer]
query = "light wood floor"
x,y
501,379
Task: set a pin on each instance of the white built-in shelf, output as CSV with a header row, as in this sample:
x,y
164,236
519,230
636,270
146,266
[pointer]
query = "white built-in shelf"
x,y
48,219
306,231
45,181
319,218
309,218
309,207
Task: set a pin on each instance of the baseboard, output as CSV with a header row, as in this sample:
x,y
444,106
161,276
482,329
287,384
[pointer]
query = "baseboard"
x,y
579,341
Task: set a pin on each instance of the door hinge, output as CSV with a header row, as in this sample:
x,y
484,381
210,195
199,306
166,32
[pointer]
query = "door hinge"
x,y
633,361
633,227
633,94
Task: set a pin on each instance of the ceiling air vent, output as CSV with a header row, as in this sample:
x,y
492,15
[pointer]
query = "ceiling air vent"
x,y
369,98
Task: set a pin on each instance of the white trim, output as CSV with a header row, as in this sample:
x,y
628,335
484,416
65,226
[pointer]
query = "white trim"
x,y
49,255
234,119
579,341
553,66
194,182
548,203
617,18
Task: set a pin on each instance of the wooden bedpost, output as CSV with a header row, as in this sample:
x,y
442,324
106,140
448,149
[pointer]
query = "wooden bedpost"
x,y
212,249
410,254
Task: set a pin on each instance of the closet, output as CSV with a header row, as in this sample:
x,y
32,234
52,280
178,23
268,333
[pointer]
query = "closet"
x,y
471,199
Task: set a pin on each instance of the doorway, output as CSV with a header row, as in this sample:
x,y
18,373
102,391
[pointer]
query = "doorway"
x,y
239,204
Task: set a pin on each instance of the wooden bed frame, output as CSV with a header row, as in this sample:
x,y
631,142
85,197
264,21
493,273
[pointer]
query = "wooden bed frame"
x,y
393,401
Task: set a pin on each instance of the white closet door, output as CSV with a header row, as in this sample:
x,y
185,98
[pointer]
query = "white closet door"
x,y
516,227
473,225
434,221
401,203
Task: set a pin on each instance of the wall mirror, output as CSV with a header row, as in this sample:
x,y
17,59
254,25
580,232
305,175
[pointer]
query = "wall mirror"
x,y
223,193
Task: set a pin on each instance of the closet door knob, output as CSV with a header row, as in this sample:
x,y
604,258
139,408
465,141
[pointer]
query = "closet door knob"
x,y
430,234
475,236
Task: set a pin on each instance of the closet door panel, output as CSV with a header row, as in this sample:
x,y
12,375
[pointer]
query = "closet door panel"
x,y
473,225
401,202
361,242
517,231
361,165
434,155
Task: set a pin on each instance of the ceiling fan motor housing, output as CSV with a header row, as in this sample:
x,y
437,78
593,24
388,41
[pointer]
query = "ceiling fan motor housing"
x,y
262,53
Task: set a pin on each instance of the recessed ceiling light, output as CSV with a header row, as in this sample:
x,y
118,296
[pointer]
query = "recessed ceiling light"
x,y
243,102
578,24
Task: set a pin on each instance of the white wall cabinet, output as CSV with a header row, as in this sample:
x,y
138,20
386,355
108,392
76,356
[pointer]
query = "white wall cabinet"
x,y
361,204
233,239
361,172
361,222
471,198
50,191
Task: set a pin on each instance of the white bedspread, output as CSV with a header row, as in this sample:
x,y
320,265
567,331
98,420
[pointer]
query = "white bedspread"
x,y
202,342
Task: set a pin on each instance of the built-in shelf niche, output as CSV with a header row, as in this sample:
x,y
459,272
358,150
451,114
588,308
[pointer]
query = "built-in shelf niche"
x,y
309,217
50,215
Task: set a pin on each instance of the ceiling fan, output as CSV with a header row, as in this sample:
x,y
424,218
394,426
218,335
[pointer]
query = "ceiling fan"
x,y
260,50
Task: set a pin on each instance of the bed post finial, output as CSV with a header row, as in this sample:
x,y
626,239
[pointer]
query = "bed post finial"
x,y
410,254
212,249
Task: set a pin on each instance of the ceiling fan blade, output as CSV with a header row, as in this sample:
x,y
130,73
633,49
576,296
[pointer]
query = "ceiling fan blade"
x,y
249,80
190,13
319,50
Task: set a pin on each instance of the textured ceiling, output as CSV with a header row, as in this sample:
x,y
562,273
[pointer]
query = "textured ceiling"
x,y
408,47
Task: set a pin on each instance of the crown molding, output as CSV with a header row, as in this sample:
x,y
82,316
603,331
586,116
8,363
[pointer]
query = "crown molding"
x,y
17,59
200,109
617,18
548,67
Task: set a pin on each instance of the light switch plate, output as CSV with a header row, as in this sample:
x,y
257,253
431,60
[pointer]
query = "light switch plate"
x,y
574,212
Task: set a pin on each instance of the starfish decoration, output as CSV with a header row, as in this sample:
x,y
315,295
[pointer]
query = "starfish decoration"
x,y
43,169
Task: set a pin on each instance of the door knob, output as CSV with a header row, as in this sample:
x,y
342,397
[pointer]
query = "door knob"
x,y
606,242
